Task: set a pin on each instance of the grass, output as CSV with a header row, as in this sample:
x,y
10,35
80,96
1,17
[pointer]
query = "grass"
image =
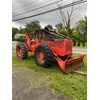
x,y
72,84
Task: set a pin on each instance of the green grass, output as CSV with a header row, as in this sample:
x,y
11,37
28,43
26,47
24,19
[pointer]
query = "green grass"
x,y
72,84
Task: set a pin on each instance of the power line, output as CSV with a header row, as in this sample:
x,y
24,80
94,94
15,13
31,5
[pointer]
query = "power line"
x,y
18,2
35,5
26,4
62,7
37,8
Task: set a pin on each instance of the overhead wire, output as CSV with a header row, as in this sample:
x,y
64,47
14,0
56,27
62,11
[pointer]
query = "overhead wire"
x,y
26,4
52,10
37,8
17,10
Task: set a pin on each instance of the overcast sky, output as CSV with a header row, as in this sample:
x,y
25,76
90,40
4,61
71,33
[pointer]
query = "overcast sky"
x,y
19,6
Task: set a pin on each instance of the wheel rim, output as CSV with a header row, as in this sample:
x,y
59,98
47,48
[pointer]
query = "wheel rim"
x,y
40,57
19,51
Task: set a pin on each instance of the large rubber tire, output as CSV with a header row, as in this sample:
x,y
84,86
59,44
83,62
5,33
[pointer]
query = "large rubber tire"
x,y
21,51
48,56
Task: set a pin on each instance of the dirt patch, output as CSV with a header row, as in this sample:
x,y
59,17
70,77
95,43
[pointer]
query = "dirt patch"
x,y
30,85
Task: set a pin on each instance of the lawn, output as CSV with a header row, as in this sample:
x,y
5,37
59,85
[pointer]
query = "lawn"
x,y
72,84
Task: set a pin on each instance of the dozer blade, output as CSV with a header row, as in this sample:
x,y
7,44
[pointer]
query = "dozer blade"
x,y
74,64
70,65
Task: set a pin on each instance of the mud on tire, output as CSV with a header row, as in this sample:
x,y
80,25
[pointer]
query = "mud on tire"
x,y
21,51
47,59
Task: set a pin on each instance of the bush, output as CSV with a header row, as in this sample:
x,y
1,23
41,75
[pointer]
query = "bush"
x,y
21,38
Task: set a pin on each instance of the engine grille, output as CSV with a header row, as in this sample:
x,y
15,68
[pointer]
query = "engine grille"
x,y
69,46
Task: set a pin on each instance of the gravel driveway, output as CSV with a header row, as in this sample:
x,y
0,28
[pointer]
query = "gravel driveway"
x,y
30,85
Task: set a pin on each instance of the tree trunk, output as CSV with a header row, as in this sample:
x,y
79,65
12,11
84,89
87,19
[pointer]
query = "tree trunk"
x,y
74,43
78,43
83,44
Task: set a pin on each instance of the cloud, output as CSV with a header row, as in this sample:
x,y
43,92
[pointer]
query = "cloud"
x,y
17,25
49,18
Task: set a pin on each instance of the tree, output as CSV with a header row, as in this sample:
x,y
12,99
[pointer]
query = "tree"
x,y
59,26
82,30
67,18
74,36
32,27
14,31
22,30
50,27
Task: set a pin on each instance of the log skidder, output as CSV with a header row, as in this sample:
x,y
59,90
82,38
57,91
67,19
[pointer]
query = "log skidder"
x,y
49,46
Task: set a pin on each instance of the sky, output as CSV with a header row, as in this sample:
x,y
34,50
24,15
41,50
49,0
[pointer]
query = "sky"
x,y
53,18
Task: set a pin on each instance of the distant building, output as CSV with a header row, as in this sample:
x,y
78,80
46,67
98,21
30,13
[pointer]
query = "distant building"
x,y
17,35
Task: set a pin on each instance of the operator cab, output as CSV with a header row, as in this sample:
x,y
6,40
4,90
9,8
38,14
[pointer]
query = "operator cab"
x,y
46,34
